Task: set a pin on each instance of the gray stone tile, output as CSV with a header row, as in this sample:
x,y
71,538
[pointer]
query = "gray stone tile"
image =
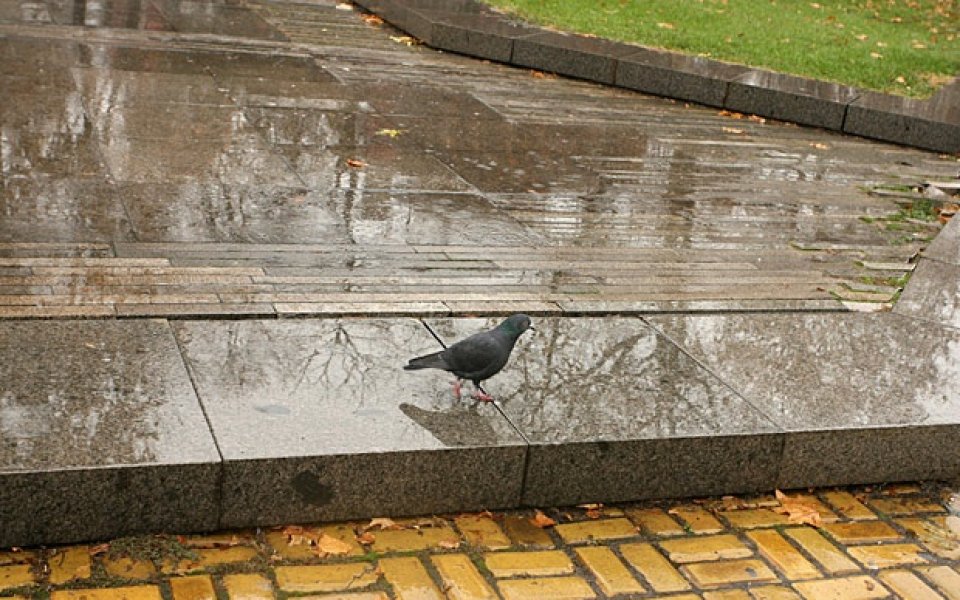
x,y
62,209
143,60
103,89
398,218
101,433
933,124
933,293
268,65
845,387
946,246
675,75
593,59
790,98
216,18
212,212
623,413
317,420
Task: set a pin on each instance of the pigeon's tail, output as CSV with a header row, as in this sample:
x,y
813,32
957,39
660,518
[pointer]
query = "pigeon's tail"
x,y
429,361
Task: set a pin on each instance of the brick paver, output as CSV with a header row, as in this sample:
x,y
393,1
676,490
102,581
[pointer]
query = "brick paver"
x,y
894,542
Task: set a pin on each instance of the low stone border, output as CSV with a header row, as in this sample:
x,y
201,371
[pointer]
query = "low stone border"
x,y
471,28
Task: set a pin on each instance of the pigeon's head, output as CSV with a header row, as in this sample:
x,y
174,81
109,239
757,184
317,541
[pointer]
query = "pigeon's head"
x,y
516,324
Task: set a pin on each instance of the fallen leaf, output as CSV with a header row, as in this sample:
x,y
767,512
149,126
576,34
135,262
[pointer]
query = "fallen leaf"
x,y
901,79
666,26
344,6
815,5
732,115
366,538
861,36
371,19
732,130
99,549
757,119
876,55
382,523
449,544
918,46
797,510
541,520
328,544
403,39
390,132
820,146
356,164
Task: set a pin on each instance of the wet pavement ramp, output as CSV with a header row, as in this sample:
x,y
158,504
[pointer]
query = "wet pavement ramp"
x,y
223,226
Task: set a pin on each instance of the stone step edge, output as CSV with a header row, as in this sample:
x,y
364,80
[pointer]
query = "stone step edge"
x,y
473,29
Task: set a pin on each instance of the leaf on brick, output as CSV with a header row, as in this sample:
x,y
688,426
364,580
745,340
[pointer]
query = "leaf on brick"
x,y
593,510
797,510
329,545
541,520
366,538
382,523
449,544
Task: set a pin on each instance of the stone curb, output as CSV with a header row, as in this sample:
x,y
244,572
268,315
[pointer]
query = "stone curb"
x,y
471,28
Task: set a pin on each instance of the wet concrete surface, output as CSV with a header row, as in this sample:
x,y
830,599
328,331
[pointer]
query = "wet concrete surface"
x,y
249,160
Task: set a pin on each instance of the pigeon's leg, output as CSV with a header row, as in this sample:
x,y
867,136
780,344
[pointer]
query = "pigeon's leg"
x,y
481,395
457,386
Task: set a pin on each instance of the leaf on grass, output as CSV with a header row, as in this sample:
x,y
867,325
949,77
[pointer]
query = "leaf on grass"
x,y
328,544
862,37
541,520
732,130
666,26
815,5
901,79
355,163
382,523
876,55
797,510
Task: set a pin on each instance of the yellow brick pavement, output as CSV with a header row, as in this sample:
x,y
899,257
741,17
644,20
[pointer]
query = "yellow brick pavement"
x,y
888,542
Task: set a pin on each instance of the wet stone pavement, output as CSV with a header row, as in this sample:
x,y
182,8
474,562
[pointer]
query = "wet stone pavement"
x,y
224,227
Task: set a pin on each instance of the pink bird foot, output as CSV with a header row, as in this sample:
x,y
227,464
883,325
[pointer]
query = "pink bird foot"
x,y
482,396
457,387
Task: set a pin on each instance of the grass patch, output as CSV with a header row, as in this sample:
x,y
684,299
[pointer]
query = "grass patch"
x,y
906,47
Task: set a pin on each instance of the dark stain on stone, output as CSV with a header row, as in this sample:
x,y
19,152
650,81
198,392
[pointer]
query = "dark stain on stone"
x,y
310,490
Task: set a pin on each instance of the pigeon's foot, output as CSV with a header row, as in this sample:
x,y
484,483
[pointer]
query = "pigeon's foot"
x,y
457,387
482,396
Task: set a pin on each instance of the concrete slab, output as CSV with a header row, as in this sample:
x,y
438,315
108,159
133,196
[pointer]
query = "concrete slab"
x,y
101,434
946,246
316,420
862,397
674,75
933,124
933,293
589,58
622,413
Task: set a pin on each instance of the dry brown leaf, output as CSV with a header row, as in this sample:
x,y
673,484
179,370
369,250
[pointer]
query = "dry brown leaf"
x,y
757,119
876,55
593,510
371,19
355,163
382,523
820,146
449,544
328,544
366,538
541,520
797,510
732,130
666,26
99,549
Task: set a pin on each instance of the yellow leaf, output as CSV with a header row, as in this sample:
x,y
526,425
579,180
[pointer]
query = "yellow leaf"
x,y
390,132
666,26
876,55
901,79
330,545
862,37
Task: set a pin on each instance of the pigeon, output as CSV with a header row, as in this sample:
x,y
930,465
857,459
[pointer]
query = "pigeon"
x,y
478,357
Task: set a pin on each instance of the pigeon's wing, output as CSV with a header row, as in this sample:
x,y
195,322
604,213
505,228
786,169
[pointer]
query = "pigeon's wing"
x,y
437,360
477,357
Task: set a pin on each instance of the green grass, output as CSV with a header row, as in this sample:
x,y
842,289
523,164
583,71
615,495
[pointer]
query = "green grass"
x,y
906,47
